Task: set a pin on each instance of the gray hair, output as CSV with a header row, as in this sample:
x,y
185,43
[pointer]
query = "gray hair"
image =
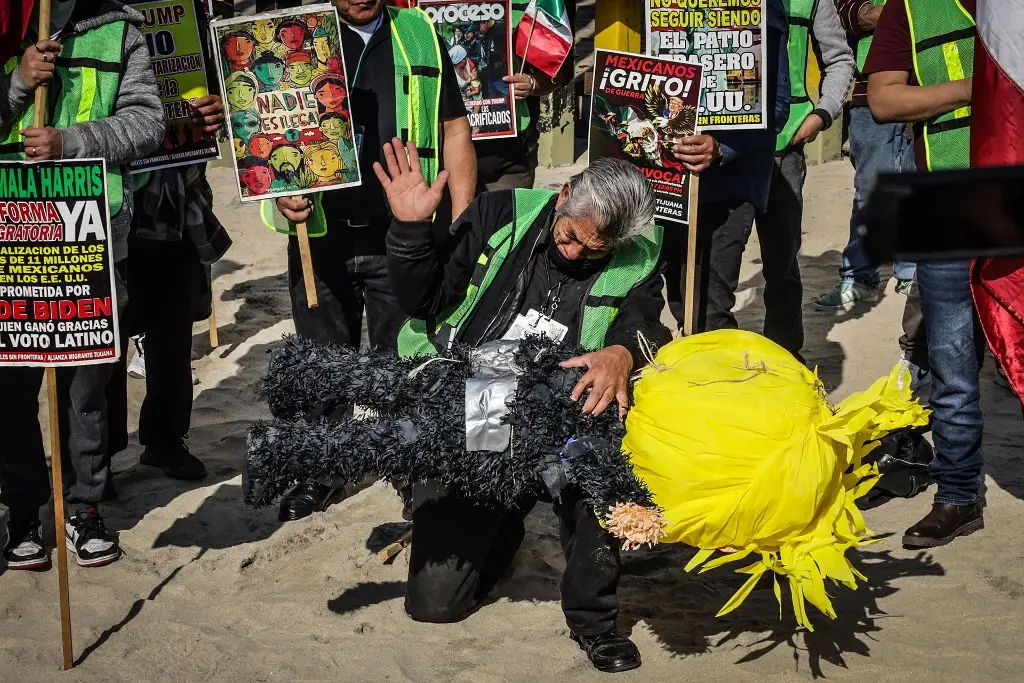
x,y
615,196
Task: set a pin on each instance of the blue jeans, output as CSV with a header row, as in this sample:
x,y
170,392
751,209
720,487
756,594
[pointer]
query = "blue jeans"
x,y
955,350
874,148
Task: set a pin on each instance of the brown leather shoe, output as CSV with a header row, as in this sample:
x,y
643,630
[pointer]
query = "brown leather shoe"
x,y
944,523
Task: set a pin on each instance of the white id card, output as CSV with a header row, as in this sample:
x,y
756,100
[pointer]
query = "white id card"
x,y
532,324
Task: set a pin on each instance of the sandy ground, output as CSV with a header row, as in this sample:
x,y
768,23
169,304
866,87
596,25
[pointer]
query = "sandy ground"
x,y
210,590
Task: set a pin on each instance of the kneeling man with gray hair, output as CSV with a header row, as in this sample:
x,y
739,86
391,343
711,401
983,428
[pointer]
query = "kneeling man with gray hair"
x,y
580,266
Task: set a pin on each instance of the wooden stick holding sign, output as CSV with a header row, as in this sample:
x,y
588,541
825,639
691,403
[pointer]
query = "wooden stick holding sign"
x,y
53,408
214,340
307,265
690,299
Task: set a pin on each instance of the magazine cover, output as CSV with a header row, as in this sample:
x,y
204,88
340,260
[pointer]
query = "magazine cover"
x,y
478,36
286,96
171,30
728,42
639,106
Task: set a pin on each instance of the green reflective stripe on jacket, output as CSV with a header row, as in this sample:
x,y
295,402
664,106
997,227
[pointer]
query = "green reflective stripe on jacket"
x,y
417,57
799,13
88,78
942,33
628,267
864,44
413,339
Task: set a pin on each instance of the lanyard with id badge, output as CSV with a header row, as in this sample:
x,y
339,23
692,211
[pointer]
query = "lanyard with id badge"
x,y
541,323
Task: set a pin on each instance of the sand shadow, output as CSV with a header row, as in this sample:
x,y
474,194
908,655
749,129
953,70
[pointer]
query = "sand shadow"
x,y
1004,432
681,613
215,438
133,612
827,356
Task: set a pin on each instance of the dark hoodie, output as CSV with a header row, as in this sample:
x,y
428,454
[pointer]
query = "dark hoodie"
x,y
136,127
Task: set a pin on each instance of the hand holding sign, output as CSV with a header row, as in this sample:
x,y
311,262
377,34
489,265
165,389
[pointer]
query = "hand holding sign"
x,y
410,197
43,144
208,112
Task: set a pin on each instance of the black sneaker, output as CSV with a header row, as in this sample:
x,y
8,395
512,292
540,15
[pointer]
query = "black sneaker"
x,y
175,460
90,541
24,546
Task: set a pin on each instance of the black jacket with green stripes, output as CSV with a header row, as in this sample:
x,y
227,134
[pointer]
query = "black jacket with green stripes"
x,y
428,276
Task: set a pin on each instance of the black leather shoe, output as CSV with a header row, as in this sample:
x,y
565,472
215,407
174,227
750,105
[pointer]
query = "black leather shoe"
x,y
610,652
307,498
175,460
944,523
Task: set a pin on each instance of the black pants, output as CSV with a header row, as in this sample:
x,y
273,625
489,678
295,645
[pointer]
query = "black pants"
x,y
722,232
723,229
460,550
165,279
779,234
84,425
913,341
350,271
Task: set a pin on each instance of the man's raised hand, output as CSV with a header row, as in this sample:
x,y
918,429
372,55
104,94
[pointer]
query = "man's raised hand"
x,y
410,197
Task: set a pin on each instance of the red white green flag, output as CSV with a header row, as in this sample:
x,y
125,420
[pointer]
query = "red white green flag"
x,y
544,37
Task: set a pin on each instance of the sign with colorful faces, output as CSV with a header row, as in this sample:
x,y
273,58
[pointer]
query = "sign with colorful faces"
x,y
639,108
171,30
727,39
286,97
58,305
478,36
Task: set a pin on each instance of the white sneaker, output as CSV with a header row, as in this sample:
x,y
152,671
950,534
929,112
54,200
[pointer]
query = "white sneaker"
x,y
846,295
137,367
920,381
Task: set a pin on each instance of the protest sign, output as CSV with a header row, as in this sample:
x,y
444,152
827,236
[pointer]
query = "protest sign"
x,y
726,38
478,36
171,30
57,302
640,105
286,96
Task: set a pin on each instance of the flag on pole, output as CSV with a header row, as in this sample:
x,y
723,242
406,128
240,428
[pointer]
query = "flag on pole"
x,y
997,139
544,36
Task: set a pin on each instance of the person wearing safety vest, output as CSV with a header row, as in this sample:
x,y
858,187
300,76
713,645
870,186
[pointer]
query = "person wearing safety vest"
x,y
735,168
175,238
401,83
508,163
812,24
875,148
580,266
919,71
102,103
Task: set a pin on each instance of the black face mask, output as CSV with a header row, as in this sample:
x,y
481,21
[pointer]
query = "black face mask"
x,y
579,268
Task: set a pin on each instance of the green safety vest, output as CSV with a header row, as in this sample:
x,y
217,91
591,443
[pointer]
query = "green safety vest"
x,y
942,33
518,8
799,13
628,266
88,74
864,44
417,106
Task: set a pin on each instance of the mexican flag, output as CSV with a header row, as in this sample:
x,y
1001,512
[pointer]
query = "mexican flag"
x,y
544,37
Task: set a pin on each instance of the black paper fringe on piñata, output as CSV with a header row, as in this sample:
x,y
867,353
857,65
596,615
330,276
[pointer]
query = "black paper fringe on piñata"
x,y
417,432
